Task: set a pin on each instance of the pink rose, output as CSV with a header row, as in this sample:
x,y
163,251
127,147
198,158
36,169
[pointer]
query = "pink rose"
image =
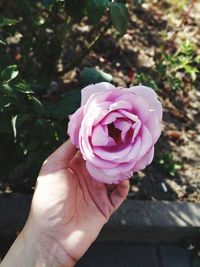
x,y
116,129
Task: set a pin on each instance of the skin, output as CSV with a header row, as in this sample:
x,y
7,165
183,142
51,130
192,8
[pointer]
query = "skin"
x,y
68,210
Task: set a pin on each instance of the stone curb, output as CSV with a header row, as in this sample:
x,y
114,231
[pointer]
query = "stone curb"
x,y
153,221
138,221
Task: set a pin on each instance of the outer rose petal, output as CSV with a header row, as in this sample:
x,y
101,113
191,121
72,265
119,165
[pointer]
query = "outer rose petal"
x,y
95,88
144,161
150,96
99,175
146,142
153,124
74,126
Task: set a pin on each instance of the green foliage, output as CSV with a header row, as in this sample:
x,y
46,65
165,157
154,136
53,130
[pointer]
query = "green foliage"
x,y
147,80
91,75
178,66
7,22
96,8
169,165
119,16
9,74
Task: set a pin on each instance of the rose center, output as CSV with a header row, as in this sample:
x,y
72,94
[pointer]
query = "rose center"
x,y
114,132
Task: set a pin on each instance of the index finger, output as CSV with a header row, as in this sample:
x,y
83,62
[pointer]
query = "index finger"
x,y
62,156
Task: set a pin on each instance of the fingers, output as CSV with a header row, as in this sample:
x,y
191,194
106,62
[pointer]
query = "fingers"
x,y
119,194
61,157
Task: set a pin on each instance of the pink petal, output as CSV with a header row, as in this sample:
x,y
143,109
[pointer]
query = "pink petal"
x,y
146,142
111,117
124,126
136,127
114,156
150,96
140,106
153,124
129,115
99,175
99,136
74,126
145,160
120,169
88,155
120,104
134,151
94,88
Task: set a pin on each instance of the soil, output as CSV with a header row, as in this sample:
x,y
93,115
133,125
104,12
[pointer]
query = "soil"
x,y
175,171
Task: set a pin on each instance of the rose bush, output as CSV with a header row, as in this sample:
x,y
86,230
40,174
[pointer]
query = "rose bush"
x,y
116,129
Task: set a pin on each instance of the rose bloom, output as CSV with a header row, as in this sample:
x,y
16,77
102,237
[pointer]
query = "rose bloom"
x,y
116,130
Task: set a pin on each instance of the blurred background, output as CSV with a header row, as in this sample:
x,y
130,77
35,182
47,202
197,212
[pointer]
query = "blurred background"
x,y
51,49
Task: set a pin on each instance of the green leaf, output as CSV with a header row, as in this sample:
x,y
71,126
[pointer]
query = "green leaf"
x,y
23,87
68,104
9,74
8,90
119,16
91,75
37,105
7,22
96,8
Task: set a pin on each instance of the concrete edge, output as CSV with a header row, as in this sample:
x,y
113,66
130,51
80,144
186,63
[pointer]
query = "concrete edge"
x,y
153,221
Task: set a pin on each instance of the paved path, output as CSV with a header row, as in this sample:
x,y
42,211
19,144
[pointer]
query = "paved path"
x,y
120,254
128,254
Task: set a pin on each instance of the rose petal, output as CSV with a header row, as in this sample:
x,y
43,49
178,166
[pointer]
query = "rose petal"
x,y
99,175
113,155
91,157
140,106
121,168
74,126
145,160
120,105
95,88
124,126
150,96
111,117
99,136
153,124
146,142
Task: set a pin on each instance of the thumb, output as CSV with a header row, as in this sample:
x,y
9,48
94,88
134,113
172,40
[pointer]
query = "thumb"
x,y
119,194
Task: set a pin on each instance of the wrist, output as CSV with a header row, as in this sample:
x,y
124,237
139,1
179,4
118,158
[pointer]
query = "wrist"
x,y
43,250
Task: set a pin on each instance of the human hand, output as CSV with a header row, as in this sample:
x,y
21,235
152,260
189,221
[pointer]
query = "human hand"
x,y
68,208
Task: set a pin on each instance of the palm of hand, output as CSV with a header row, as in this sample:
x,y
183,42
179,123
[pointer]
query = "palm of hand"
x,y
70,206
